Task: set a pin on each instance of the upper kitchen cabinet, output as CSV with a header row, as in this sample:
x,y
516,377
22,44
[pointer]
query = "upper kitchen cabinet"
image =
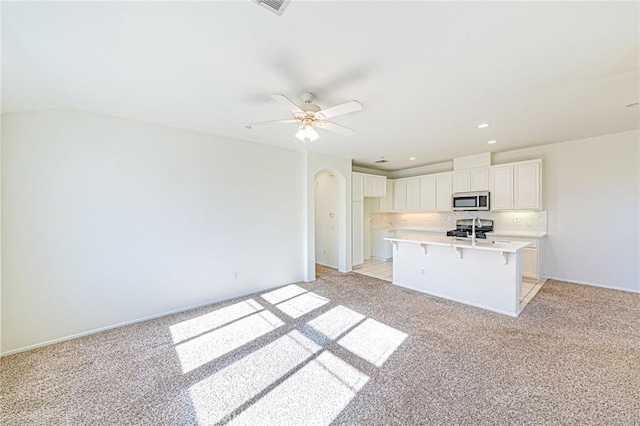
x,y
428,193
516,186
375,186
406,195
413,195
400,195
501,191
435,192
471,180
526,181
444,190
386,202
364,185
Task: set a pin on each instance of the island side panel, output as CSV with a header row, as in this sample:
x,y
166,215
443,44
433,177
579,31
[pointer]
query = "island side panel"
x,y
480,278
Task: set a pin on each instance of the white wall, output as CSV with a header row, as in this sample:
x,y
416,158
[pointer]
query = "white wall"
x,y
591,190
326,219
107,221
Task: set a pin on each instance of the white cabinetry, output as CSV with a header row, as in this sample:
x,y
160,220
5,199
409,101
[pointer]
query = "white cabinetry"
x,y
375,186
530,258
501,181
530,263
516,186
526,181
364,185
381,249
428,193
471,180
400,196
413,195
386,202
357,233
444,190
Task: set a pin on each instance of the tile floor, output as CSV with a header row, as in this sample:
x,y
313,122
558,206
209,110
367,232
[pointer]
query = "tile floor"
x,y
376,269
384,271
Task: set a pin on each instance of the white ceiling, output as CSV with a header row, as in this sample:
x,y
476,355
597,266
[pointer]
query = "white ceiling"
x,y
426,72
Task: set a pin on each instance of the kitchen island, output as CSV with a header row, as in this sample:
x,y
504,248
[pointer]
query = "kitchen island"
x,y
486,274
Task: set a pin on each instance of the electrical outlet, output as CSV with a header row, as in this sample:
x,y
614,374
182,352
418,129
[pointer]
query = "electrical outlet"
x,y
516,219
422,271
235,276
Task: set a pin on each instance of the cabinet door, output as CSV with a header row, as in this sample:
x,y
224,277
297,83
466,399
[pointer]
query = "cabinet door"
x,y
357,187
380,186
501,182
386,202
479,179
530,263
526,186
369,186
357,233
428,193
400,196
413,195
444,186
462,181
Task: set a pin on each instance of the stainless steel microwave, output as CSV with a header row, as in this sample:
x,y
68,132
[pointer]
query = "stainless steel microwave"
x,y
470,201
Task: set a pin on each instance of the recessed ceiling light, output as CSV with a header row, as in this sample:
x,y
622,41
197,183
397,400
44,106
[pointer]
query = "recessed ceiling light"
x,y
412,158
483,125
635,104
491,142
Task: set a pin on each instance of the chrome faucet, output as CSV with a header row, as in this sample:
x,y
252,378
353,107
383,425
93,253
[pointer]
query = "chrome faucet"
x,y
473,229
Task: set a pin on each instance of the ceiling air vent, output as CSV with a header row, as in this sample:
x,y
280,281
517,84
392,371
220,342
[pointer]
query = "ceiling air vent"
x,y
276,6
381,161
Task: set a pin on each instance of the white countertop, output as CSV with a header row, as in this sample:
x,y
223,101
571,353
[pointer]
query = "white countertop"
x,y
510,247
495,233
516,233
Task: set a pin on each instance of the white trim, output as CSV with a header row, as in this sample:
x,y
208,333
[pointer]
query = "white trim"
x,y
593,284
477,305
122,324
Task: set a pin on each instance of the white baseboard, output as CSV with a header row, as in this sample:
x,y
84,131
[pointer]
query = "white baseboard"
x,y
383,259
571,281
122,324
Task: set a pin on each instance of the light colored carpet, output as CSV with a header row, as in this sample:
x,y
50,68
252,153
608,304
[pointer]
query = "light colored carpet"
x,y
346,349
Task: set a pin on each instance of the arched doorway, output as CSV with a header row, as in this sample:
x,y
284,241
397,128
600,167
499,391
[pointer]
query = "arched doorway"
x,y
326,217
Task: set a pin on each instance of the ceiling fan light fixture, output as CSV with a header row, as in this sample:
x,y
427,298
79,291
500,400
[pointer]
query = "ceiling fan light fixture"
x,y
306,133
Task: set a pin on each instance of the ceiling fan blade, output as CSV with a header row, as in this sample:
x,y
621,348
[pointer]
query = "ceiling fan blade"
x,y
282,99
333,127
345,108
261,123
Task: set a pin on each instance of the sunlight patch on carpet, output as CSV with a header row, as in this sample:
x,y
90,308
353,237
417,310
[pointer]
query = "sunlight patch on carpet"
x,y
373,341
282,294
207,347
314,395
335,321
303,304
203,323
217,396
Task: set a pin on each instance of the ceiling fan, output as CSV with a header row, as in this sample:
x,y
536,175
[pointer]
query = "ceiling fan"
x,y
310,115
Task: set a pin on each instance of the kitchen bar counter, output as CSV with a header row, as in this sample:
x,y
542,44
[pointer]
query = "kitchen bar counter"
x,y
487,275
466,243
